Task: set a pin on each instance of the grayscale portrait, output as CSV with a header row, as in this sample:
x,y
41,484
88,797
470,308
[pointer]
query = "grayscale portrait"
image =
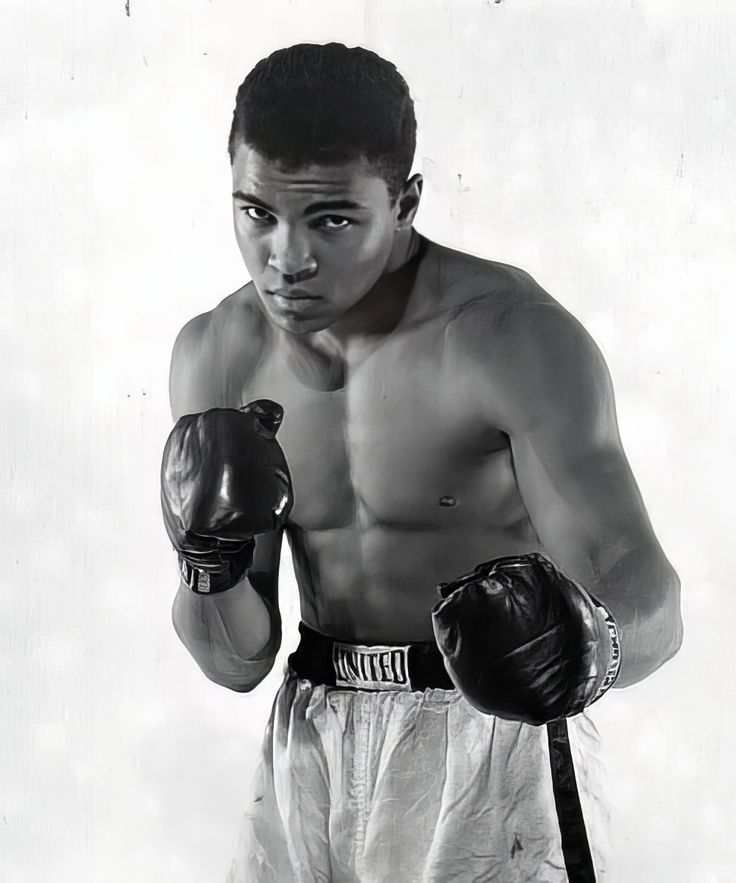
x,y
369,377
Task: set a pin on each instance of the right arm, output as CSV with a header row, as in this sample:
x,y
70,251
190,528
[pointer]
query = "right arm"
x,y
233,636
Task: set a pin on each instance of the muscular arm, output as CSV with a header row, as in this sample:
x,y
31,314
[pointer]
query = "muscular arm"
x,y
233,636
552,393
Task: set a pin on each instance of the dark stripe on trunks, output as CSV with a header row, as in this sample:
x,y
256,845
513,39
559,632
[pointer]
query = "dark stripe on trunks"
x,y
575,848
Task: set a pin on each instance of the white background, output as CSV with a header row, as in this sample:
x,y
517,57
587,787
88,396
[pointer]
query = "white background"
x,y
591,143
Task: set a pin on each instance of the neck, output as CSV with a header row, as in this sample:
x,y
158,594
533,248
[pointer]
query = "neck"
x,y
382,308
321,359
405,246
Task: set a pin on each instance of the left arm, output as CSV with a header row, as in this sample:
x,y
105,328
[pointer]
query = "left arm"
x,y
556,403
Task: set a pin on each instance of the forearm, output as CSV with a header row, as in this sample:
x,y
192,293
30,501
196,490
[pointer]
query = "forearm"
x,y
642,591
233,636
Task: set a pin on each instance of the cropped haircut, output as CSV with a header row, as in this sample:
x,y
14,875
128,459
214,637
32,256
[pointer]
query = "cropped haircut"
x,y
324,105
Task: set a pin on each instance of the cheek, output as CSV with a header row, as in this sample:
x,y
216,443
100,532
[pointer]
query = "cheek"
x,y
251,248
366,251
238,230
354,273
371,258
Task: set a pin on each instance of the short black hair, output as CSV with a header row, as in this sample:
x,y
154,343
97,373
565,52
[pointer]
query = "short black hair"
x,y
328,104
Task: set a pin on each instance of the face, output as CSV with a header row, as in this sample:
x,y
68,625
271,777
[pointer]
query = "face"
x,y
315,241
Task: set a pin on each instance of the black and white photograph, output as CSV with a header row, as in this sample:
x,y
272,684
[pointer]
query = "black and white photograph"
x,y
370,425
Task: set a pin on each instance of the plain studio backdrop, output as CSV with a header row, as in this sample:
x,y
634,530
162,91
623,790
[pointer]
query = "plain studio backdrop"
x,y
591,143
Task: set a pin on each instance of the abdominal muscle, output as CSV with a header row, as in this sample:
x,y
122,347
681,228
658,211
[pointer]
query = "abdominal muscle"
x,y
388,505
380,583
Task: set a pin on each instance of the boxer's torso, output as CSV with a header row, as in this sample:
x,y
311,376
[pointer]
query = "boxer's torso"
x,y
400,479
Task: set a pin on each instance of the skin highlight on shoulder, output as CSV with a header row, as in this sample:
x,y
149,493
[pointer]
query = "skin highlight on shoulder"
x,y
478,295
215,353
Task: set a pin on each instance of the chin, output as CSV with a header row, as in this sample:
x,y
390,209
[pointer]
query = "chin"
x,y
300,325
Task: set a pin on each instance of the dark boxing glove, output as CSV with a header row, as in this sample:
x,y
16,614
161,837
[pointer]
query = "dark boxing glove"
x,y
523,642
224,480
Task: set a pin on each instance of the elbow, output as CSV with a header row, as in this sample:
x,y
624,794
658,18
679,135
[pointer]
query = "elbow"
x,y
238,682
671,642
677,636
227,669
674,612
653,640
664,631
237,686
240,688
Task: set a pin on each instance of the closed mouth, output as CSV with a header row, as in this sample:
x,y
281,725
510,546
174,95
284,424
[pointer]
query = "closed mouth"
x,y
293,294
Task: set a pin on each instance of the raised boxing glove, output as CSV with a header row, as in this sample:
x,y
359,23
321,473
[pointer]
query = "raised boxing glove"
x,y
224,480
524,642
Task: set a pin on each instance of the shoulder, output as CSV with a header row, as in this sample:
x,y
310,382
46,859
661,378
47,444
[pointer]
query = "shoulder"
x,y
522,350
470,288
481,295
215,353
550,366
487,300
546,334
236,317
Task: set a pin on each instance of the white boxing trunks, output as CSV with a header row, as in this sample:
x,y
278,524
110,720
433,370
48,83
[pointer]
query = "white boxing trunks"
x,y
395,783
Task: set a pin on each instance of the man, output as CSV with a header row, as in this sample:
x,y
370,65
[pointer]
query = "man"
x,y
439,411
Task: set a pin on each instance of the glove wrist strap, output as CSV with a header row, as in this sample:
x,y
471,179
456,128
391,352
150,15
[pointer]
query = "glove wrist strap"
x,y
204,582
614,664
230,571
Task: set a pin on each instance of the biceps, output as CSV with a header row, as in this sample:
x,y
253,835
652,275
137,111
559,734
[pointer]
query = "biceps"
x,y
581,499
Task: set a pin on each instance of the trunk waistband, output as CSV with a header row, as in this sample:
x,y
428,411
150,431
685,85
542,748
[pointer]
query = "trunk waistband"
x,y
408,667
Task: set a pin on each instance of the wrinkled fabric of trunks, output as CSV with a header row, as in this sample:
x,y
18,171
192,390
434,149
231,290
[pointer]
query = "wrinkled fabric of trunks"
x,y
374,785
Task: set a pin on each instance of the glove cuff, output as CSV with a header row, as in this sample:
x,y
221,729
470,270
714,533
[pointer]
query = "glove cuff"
x,y
614,664
201,582
205,582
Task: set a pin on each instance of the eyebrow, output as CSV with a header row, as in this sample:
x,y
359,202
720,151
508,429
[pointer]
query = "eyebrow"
x,y
324,205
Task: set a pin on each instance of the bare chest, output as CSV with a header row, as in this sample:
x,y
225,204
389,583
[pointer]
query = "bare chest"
x,y
398,444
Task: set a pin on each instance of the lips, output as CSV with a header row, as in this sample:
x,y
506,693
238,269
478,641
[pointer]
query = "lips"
x,y
292,294
293,300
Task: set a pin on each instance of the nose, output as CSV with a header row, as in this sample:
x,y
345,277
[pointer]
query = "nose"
x,y
291,256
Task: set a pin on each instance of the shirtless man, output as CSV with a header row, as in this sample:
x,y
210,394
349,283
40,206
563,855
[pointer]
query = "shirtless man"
x,y
439,411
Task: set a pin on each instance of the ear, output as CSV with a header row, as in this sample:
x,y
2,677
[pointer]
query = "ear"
x,y
268,414
408,201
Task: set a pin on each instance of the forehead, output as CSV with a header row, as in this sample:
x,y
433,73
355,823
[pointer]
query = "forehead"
x,y
268,179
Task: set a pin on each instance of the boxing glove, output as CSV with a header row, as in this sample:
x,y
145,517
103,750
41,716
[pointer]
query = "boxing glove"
x,y
224,480
524,642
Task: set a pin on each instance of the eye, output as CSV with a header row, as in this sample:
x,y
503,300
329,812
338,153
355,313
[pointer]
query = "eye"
x,y
254,213
334,222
